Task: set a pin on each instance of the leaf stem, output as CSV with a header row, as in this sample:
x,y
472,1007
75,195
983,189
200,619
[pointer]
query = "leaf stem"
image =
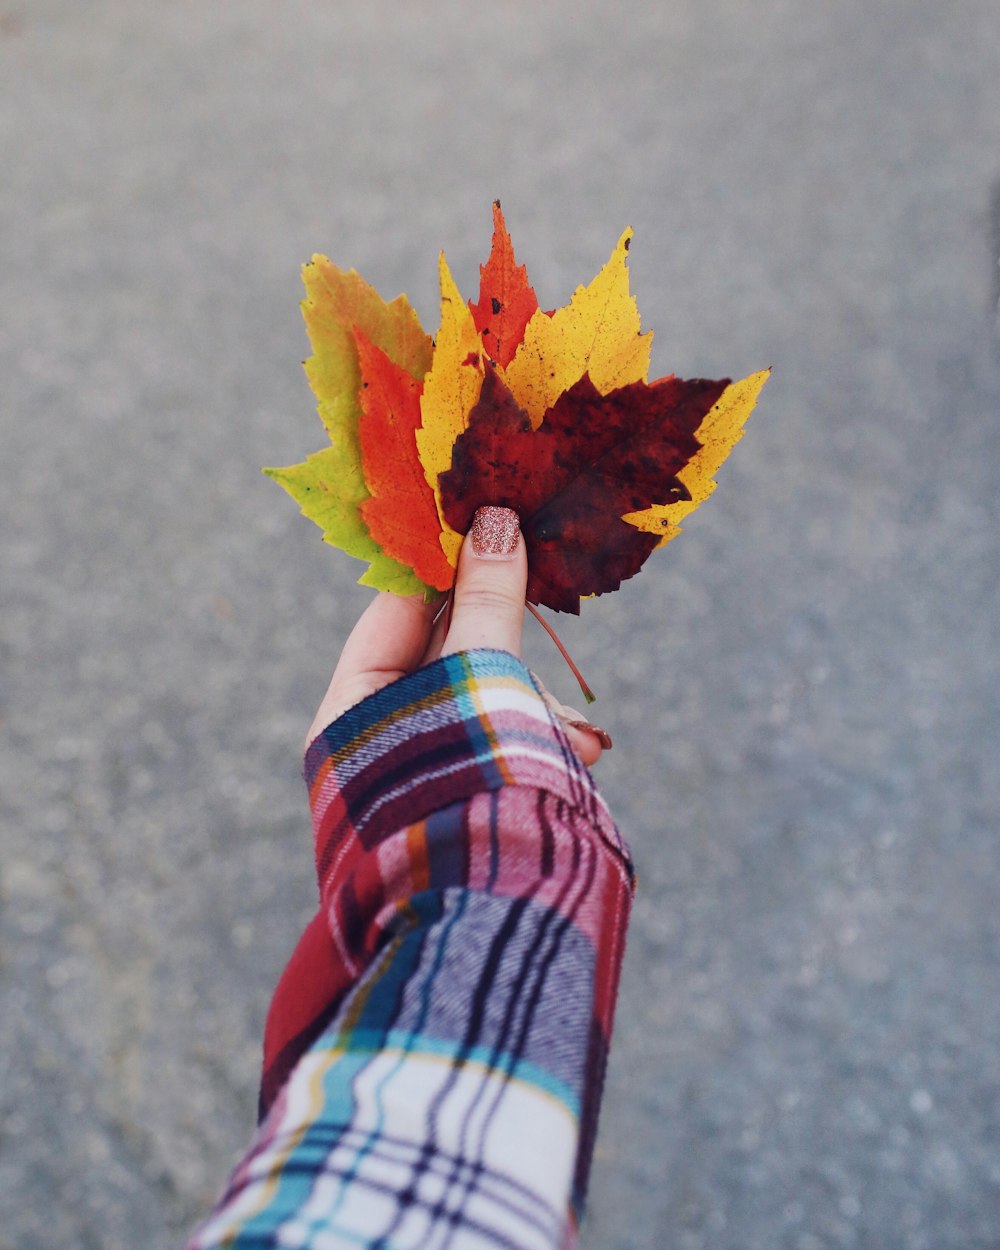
x,y
449,607
588,694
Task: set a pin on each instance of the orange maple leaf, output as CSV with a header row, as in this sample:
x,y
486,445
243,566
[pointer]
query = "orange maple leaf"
x,y
507,300
401,515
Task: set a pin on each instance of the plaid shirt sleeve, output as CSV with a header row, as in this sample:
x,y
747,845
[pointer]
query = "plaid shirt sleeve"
x,y
435,1051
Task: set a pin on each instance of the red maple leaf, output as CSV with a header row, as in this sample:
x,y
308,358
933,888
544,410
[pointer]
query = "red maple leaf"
x,y
401,514
593,458
506,297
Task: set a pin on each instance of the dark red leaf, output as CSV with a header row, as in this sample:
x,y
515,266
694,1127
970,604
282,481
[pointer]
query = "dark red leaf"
x,y
594,458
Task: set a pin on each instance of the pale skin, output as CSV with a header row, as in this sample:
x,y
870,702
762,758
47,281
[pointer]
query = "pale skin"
x,y
396,635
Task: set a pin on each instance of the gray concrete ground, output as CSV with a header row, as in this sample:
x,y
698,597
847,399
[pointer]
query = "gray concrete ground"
x,y
803,689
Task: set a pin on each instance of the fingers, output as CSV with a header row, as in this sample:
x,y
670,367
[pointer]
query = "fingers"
x,y
396,635
588,740
388,641
488,610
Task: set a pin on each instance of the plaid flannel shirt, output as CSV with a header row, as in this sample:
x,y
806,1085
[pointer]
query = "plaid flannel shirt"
x,y
435,1051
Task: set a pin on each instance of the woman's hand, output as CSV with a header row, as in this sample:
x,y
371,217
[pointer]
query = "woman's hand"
x,y
396,635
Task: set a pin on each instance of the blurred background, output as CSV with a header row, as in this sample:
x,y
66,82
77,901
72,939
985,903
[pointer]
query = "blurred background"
x,y
803,689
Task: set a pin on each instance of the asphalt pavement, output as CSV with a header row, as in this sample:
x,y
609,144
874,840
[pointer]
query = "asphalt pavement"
x,y
803,689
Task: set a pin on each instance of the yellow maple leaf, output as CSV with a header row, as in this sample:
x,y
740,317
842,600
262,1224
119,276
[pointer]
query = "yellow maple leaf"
x,y
718,433
597,332
451,391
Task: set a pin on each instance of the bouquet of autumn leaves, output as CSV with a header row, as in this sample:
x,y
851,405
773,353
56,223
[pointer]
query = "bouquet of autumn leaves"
x,y
546,413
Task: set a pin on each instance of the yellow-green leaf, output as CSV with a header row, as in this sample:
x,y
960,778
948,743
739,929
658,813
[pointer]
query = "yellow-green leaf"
x,y
336,302
329,492
329,486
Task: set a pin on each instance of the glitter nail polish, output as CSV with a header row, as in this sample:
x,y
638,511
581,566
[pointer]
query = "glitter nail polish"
x,y
495,532
602,735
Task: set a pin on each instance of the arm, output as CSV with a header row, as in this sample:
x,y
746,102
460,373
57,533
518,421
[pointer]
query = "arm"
x,y
454,997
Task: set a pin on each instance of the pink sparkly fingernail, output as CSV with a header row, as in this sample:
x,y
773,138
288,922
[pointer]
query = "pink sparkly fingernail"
x,y
602,735
495,532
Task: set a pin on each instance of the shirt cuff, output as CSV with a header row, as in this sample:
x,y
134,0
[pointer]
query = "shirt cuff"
x,y
469,723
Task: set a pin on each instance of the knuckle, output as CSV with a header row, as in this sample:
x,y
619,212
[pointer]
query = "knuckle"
x,y
486,601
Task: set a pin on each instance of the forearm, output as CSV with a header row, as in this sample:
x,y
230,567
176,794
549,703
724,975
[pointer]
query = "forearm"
x,y
471,974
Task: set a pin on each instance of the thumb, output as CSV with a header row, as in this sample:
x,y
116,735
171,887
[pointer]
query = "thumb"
x,y
489,590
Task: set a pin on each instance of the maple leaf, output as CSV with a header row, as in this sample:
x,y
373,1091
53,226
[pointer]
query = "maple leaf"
x,y
400,514
597,332
330,486
718,434
592,459
507,301
451,388
336,304
548,413
329,491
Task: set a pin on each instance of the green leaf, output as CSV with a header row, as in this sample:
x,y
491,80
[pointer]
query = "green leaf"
x,y
328,489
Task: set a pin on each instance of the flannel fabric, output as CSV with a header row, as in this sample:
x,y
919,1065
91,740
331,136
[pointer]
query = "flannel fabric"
x,y
435,1051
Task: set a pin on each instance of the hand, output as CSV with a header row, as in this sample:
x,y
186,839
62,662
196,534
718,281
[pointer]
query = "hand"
x,y
396,635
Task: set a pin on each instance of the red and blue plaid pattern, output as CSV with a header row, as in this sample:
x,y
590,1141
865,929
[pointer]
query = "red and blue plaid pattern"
x,y
436,1047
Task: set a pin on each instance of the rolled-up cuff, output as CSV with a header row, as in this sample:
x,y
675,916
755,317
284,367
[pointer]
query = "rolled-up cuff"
x,y
469,723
